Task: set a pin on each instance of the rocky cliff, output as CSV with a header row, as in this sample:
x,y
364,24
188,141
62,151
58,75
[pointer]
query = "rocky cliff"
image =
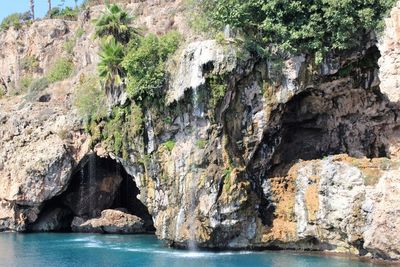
x,y
290,156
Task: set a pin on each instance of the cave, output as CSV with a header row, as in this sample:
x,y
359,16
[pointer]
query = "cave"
x,y
96,184
339,116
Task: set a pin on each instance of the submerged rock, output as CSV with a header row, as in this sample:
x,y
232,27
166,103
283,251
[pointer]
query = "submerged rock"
x,y
110,222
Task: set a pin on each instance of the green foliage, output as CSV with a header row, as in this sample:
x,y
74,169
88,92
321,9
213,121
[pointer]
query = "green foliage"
x,y
218,88
79,33
69,46
61,70
89,99
67,13
169,145
14,20
301,26
145,64
220,38
38,85
201,143
227,178
25,83
29,64
115,21
114,131
136,121
110,65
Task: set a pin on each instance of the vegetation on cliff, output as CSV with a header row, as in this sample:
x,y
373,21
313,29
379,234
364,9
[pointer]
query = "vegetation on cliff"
x,y
311,27
131,63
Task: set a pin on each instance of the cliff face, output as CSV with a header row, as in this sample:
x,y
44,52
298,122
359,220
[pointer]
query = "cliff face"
x,y
291,156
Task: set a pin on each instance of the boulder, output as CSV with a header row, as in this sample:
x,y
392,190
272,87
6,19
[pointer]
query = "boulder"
x,y
110,222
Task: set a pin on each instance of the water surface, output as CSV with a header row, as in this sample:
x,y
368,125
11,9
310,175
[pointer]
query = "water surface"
x,y
139,251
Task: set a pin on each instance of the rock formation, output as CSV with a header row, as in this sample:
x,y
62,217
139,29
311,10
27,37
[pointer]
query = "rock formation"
x,y
292,157
111,222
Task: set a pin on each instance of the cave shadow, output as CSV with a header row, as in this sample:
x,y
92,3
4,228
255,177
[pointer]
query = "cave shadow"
x,y
96,184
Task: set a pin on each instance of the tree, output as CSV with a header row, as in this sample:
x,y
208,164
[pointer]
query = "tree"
x,y
145,65
110,65
49,7
301,26
116,22
32,6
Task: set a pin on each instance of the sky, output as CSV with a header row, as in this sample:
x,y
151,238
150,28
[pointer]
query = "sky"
x,y
8,7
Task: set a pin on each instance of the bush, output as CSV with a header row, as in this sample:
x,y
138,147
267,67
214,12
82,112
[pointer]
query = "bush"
x,y
15,20
201,143
89,99
29,64
145,64
169,145
79,33
38,85
302,26
218,88
136,123
65,13
25,83
69,46
61,70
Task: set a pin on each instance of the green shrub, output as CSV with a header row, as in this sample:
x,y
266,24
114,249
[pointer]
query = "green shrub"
x,y
29,64
220,38
218,88
79,33
169,145
67,13
136,122
61,70
89,99
38,85
302,26
69,46
14,20
145,64
201,143
227,178
25,83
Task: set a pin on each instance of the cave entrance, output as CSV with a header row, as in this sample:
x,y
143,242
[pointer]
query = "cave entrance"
x,y
96,184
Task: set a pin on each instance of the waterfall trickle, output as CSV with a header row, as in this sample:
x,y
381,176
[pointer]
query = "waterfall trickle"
x,y
192,244
92,184
197,104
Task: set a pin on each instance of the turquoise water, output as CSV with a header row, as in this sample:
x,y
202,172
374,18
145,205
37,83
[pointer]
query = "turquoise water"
x,y
139,251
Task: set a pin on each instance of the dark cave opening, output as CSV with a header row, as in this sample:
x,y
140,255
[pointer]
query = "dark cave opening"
x,y
96,184
349,116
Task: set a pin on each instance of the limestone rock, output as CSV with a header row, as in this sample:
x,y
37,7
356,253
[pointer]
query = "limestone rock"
x,y
110,222
389,62
198,59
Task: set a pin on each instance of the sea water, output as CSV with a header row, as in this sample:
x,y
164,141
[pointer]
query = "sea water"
x,y
53,249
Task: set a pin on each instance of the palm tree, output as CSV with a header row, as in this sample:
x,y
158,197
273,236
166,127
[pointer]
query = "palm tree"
x,y
32,5
116,22
49,6
110,65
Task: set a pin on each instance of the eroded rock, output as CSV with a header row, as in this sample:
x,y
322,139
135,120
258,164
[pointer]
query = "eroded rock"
x,y
110,222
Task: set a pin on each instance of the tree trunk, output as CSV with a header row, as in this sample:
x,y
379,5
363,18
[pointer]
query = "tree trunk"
x,y
32,4
49,7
